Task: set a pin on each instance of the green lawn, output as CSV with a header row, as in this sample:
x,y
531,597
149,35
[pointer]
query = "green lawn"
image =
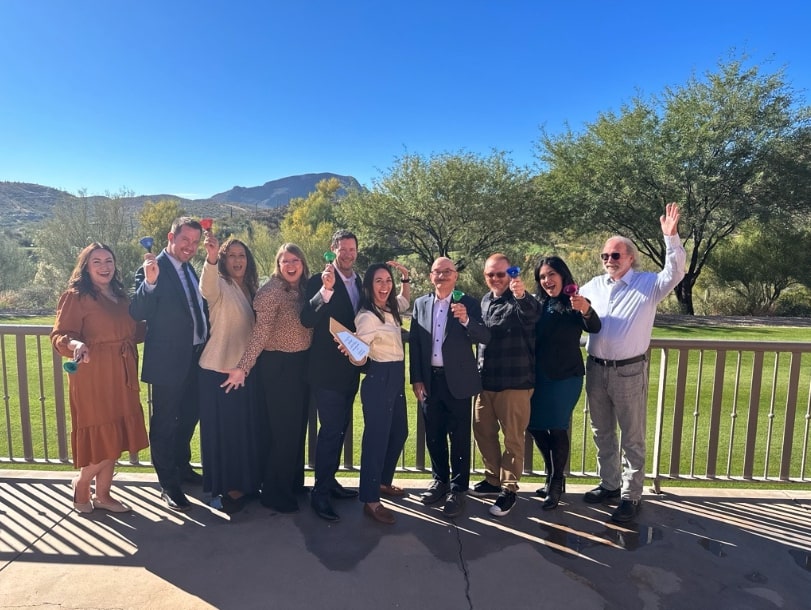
x,y
695,418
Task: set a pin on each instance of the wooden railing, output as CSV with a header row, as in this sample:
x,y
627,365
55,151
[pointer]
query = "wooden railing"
x,y
718,410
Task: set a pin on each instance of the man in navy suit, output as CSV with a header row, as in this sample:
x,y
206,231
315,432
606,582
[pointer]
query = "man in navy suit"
x,y
334,293
444,376
167,296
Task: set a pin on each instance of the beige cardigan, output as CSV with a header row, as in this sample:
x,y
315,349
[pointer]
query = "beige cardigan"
x,y
231,319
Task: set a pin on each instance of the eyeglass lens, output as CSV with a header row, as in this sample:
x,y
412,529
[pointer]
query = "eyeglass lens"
x,y
614,256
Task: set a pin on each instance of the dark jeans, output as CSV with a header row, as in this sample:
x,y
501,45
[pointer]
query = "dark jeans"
x,y
446,418
334,415
385,426
175,412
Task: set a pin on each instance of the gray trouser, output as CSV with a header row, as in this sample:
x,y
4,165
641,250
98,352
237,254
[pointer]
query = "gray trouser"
x,y
618,396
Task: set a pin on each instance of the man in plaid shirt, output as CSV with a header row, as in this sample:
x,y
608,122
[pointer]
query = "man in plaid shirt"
x,y
507,366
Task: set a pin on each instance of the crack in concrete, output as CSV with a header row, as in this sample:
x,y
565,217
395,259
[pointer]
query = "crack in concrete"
x,y
463,565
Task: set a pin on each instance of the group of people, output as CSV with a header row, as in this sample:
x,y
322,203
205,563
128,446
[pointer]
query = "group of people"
x,y
247,361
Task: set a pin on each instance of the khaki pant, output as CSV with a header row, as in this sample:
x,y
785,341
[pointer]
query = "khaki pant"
x,y
508,411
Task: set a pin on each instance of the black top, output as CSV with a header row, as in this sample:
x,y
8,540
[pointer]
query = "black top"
x,y
557,337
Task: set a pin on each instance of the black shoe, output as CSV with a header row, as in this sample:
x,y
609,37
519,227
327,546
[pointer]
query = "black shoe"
x,y
543,491
600,494
503,504
175,499
230,505
435,492
340,492
454,504
191,476
323,508
483,489
626,511
553,497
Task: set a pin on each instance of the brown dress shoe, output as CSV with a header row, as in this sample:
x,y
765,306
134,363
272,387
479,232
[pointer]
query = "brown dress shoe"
x,y
392,491
381,514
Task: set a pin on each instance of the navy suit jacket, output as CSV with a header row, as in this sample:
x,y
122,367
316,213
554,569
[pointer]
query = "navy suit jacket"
x,y
168,347
461,369
328,367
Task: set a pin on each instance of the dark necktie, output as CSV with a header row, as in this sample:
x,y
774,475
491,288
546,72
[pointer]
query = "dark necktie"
x,y
199,323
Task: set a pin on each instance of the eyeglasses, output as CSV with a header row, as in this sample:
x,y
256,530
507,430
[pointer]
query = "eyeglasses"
x,y
292,261
443,271
498,274
615,256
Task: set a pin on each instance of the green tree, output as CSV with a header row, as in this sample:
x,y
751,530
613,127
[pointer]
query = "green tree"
x,y
17,267
463,206
156,220
310,222
755,265
724,148
78,221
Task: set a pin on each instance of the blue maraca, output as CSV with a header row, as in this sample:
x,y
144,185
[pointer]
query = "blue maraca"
x,y
514,271
147,243
71,366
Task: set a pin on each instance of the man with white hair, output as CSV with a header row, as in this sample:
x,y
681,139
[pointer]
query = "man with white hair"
x,y
616,369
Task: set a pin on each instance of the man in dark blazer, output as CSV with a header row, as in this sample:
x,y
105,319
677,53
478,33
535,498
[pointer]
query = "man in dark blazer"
x,y
444,376
334,293
167,296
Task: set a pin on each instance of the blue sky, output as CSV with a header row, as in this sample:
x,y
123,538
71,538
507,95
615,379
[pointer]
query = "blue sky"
x,y
194,97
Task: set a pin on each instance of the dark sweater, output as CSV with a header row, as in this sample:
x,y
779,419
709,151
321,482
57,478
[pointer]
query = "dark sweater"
x,y
507,362
557,338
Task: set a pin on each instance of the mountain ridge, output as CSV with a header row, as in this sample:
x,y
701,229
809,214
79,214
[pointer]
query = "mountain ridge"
x,y
23,203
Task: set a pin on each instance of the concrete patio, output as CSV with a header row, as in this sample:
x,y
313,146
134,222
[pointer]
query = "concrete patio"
x,y
690,548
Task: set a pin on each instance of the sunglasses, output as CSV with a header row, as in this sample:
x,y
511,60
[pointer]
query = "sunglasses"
x,y
498,274
615,256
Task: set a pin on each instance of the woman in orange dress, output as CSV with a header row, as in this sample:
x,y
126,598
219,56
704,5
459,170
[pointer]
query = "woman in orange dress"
x,y
93,327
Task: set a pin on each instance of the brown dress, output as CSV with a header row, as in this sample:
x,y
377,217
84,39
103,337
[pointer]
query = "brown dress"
x,y
105,404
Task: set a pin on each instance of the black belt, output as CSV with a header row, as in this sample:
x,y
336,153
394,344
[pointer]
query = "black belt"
x,y
437,370
633,360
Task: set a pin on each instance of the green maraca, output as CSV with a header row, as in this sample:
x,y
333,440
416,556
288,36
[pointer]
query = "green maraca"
x,y
329,256
457,295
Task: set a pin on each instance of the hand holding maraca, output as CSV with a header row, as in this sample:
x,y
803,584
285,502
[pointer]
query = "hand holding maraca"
x,y
579,302
458,309
80,351
328,274
516,283
212,246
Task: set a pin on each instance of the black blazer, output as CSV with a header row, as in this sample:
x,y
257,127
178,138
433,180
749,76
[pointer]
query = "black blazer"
x,y
328,367
461,370
557,338
169,325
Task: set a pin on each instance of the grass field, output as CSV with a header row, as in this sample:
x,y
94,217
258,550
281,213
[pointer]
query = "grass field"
x,y
694,426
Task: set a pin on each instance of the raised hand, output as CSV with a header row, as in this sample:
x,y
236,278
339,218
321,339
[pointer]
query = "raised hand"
x,y
212,246
670,219
151,269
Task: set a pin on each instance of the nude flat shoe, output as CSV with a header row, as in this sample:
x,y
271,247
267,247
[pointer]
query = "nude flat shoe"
x,y
113,507
80,507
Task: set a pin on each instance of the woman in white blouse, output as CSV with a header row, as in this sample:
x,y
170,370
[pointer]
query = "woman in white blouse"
x,y
382,392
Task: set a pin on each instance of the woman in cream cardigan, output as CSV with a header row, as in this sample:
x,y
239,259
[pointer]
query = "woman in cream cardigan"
x,y
229,420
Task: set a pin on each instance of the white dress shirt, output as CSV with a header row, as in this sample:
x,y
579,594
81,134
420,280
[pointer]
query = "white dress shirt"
x,y
627,306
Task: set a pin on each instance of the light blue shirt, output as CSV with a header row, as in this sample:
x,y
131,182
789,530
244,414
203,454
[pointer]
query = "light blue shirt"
x,y
627,306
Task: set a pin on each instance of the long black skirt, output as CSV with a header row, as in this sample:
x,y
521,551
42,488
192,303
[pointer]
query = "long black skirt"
x,y
230,428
